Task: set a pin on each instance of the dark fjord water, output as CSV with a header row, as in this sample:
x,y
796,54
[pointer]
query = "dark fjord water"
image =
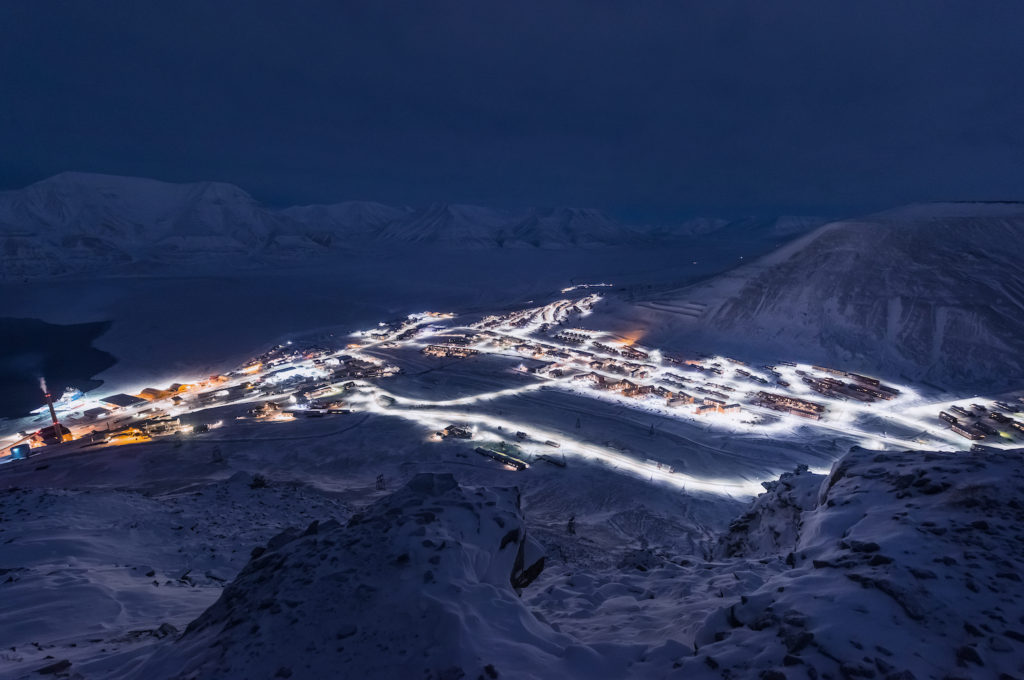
x,y
31,349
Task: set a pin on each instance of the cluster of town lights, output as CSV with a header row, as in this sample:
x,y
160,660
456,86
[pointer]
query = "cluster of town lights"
x,y
566,354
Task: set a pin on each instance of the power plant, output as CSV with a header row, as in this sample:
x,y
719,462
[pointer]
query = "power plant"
x,y
55,433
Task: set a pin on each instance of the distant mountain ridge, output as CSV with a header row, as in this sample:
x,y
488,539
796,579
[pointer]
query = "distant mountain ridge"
x,y
82,223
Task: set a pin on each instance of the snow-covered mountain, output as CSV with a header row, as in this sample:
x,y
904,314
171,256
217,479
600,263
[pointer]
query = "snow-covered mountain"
x,y
567,227
352,220
101,224
468,226
76,222
443,224
934,292
420,584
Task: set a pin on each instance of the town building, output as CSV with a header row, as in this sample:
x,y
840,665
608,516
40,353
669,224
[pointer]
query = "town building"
x,y
122,400
503,458
154,394
969,433
457,432
793,405
443,351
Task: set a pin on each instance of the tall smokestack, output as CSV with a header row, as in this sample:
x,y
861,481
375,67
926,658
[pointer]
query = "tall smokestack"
x,y
53,414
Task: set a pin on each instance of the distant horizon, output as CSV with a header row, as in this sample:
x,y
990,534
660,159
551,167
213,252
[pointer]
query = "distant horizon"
x,y
667,222
679,219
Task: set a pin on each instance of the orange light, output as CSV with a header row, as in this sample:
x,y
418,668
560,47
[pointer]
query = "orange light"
x,y
132,436
633,337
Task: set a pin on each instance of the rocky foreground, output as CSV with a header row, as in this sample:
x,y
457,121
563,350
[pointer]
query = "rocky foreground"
x,y
895,565
902,565
421,584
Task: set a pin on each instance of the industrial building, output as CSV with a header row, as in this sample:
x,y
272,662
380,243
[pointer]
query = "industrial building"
x,y
122,400
503,458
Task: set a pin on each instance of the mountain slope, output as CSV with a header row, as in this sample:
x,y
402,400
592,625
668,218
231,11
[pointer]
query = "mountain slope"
x,y
357,220
85,222
421,584
443,224
89,223
905,566
567,227
934,292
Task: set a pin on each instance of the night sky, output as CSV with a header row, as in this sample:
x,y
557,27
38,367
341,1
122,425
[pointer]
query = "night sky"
x,y
651,110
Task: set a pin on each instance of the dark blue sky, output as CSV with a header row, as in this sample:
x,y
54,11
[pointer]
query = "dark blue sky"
x,y
653,109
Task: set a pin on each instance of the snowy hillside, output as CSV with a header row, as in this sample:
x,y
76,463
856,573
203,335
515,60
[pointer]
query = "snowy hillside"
x,y
443,224
906,566
467,226
334,224
931,292
98,224
76,222
565,227
420,584
89,223
894,565
80,223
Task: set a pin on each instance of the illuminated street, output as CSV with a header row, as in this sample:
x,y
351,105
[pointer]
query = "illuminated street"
x,y
537,350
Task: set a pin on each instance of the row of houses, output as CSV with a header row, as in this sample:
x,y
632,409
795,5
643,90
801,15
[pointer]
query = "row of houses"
x,y
712,405
979,429
673,398
630,369
788,404
460,339
449,351
864,384
750,376
571,338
